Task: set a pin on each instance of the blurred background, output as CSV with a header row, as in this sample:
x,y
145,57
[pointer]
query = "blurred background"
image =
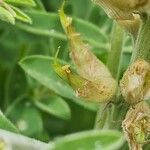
x,y
37,108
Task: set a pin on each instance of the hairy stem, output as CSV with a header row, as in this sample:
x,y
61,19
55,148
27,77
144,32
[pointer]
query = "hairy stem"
x,y
115,54
142,51
142,47
104,115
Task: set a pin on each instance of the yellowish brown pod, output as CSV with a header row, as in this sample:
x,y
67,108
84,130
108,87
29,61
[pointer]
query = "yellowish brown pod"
x,y
93,81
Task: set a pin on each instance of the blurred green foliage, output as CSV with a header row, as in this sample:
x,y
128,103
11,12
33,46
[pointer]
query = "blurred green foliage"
x,y
32,96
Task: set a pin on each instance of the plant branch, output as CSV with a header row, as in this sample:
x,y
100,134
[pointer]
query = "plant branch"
x,y
142,47
113,64
114,57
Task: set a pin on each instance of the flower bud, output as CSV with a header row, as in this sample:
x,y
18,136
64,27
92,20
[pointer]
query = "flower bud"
x,y
135,84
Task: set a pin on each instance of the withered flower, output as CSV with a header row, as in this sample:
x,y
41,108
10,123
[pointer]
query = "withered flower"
x,y
126,12
135,84
124,9
93,80
136,125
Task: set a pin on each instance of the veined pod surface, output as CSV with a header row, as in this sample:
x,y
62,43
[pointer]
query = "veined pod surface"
x,y
133,25
136,125
135,84
96,82
114,9
123,9
123,12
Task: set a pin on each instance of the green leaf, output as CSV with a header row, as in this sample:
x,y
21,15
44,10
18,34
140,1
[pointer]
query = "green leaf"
x,y
22,2
79,10
48,24
16,81
5,15
41,69
91,140
6,124
14,141
40,5
20,15
27,118
54,105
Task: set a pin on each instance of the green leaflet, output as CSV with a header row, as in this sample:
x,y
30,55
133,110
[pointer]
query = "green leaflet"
x,y
20,15
22,2
5,15
90,140
55,106
27,118
9,12
6,124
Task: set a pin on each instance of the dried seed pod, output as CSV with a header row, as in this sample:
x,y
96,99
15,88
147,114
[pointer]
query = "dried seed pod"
x,y
123,11
135,84
136,125
96,82
87,64
132,5
116,9
133,25
124,8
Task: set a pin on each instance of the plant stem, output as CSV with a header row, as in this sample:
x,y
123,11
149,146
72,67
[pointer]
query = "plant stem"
x,y
142,47
141,51
115,54
104,115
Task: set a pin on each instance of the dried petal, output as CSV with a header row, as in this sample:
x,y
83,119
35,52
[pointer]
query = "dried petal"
x,y
136,125
135,84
